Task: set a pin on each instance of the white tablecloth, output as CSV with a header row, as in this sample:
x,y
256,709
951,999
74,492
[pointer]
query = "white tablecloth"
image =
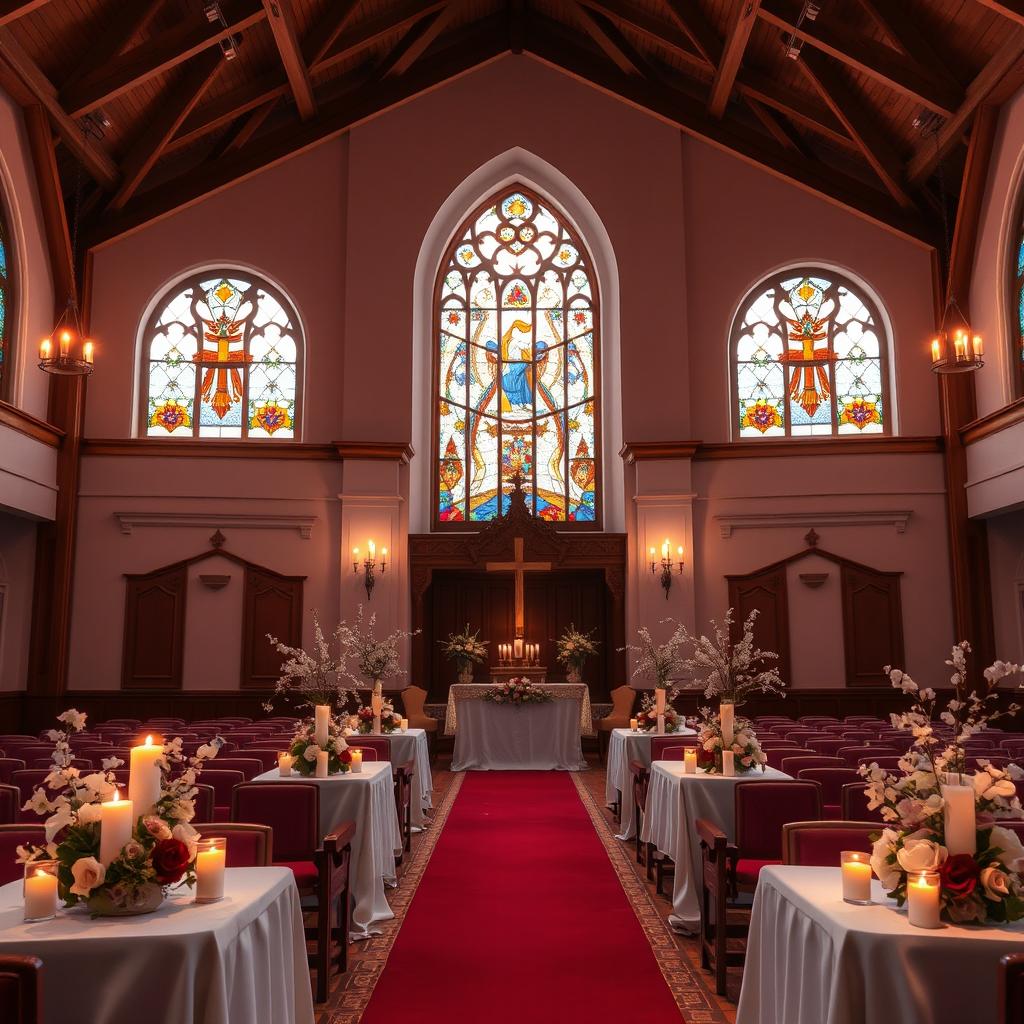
x,y
460,693
674,802
495,737
411,745
812,959
368,799
241,959
624,746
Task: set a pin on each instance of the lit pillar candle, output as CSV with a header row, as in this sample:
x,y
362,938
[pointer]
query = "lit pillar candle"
x,y
856,871
517,649
728,763
690,761
210,862
357,760
65,344
284,764
727,713
321,724
117,818
633,725
959,819
923,900
40,890
144,779
322,758
404,725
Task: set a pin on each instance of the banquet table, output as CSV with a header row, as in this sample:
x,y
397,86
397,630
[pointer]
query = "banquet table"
x,y
813,959
625,746
411,745
368,799
490,737
674,803
240,959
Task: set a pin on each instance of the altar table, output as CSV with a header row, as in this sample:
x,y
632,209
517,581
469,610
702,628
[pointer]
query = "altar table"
x,y
368,799
542,737
625,746
675,801
241,959
813,959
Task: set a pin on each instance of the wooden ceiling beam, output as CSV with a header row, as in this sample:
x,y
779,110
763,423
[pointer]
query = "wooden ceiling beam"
x,y
281,18
159,54
779,130
12,10
993,77
173,110
691,22
416,41
96,160
740,25
869,57
322,36
861,123
244,130
611,41
1012,9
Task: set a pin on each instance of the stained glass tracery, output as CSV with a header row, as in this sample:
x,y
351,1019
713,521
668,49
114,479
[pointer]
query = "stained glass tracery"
x,y
516,366
809,359
1018,285
5,313
224,356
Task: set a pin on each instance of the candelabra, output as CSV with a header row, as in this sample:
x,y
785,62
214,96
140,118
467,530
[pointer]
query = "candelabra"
x,y
369,566
667,565
519,653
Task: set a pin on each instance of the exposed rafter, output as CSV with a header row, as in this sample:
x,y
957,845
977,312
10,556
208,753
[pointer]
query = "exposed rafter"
x,y
732,55
282,23
12,10
1012,9
612,42
701,33
332,23
416,41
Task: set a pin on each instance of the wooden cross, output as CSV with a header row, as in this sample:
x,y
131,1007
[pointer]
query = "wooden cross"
x,y
519,566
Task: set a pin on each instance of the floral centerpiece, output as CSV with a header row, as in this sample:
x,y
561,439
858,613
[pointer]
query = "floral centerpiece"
x,y
314,679
647,715
390,719
939,817
160,845
711,744
466,650
306,744
662,661
517,692
573,648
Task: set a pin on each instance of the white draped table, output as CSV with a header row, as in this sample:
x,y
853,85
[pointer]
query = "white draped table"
x,y
368,799
625,746
490,737
813,959
674,803
411,745
241,959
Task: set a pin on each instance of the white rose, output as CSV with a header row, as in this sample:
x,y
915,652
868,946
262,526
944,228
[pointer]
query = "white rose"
x,y
995,882
1012,851
88,873
921,855
186,834
88,813
988,786
310,752
340,745
888,874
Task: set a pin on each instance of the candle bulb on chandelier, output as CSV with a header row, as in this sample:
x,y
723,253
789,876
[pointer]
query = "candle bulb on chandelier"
x,y
936,350
977,345
372,548
65,344
960,345
45,348
665,549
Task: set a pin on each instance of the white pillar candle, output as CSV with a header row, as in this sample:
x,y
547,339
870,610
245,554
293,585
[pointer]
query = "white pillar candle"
x,y
959,820
322,721
40,891
517,649
357,760
117,819
727,713
923,900
322,758
210,863
659,700
728,763
856,870
404,725
690,761
633,725
284,764
144,779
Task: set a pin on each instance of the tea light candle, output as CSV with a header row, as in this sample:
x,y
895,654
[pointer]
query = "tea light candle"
x,y
117,818
210,862
284,764
40,890
923,900
633,725
404,725
728,763
856,871
357,760
690,761
144,780
322,757
322,721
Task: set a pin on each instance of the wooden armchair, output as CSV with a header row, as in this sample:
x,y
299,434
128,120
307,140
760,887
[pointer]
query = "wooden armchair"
x,y
718,898
623,699
21,989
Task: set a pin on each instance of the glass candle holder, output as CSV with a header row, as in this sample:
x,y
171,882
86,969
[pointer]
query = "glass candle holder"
x,y
924,899
211,860
40,890
284,763
856,869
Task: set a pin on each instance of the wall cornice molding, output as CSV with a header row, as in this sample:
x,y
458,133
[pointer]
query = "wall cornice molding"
x,y
985,426
206,448
130,521
387,451
30,426
791,448
646,451
728,523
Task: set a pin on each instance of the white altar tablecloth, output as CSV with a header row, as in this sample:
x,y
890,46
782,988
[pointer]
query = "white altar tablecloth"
x,y
674,802
459,693
368,799
497,737
411,745
241,959
625,746
813,959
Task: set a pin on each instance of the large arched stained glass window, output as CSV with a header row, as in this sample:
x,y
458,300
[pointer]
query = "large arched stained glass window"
x,y
6,367
516,366
223,355
809,358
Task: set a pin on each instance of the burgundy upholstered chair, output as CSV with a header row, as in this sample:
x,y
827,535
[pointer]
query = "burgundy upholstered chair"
x,y
248,845
29,752
379,743
223,781
854,803
659,744
1011,989
8,766
831,781
21,989
11,837
792,764
403,784
1011,744
267,758
204,804
853,754
250,767
28,780
369,753
890,762
826,747
10,804
676,753
83,764
820,843
321,869
776,757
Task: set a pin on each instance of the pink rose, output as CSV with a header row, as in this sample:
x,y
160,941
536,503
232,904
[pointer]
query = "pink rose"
x,y
156,827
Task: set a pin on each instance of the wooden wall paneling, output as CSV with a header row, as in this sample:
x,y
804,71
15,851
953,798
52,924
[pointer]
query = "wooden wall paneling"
x,y
271,604
872,624
154,629
764,590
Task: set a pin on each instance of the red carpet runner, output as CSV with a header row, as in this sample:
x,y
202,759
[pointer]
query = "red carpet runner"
x,y
520,917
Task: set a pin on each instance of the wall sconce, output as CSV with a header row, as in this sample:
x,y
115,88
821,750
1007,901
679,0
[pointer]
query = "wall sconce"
x,y
667,565
370,565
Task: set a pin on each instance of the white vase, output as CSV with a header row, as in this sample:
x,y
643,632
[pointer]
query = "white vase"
x,y
659,700
377,704
727,717
574,675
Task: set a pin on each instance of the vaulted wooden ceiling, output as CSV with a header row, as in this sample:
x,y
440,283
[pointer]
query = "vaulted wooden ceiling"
x,y
161,102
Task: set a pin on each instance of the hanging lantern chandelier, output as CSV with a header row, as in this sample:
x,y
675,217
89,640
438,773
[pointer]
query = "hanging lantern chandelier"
x,y
956,351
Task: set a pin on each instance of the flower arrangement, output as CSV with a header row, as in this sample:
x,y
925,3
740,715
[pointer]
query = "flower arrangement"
x,y
160,850
320,677
304,749
647,715
980,864
573,648
711,744
517,692
390,719
662,661
465,649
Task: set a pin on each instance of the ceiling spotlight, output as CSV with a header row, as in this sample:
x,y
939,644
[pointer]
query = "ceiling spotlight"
x,y
229,47
212,12
811,10
793,48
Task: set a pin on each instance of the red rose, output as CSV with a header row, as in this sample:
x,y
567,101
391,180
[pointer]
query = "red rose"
x,y
345,757
704,756
959,875
170,859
